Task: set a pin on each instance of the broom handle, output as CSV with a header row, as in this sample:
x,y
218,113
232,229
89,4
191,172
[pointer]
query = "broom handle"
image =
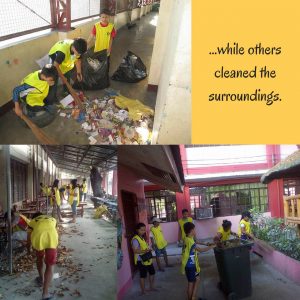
x,y
73,93
43,138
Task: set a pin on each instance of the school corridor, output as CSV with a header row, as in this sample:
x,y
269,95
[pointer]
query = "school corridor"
x,y
86,257
41,179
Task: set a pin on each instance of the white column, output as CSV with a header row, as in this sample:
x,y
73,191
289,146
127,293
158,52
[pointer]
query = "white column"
x,y
172,123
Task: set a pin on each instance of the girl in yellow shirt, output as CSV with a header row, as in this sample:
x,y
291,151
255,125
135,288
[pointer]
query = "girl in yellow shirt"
x,y
245,231
56,200
224,232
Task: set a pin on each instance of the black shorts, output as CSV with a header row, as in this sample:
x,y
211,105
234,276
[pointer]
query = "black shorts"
x,y
191,274
145,269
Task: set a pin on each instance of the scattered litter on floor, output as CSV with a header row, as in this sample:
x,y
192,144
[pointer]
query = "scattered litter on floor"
x,y
113,119
24,263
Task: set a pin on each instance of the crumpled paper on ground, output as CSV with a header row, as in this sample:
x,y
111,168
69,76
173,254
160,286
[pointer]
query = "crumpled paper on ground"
x,y
113,119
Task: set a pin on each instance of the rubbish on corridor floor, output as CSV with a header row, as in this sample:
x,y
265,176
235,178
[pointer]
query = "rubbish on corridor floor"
x,y
113,119
66,101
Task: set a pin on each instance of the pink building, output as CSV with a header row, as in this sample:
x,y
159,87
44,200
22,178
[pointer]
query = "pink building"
x,y
161,181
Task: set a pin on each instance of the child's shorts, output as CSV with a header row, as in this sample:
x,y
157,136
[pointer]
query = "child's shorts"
x,y
191,274
159,252
49,254
74,208
145,269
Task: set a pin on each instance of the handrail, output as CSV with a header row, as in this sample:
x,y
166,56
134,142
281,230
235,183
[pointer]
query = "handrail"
x,y
292,206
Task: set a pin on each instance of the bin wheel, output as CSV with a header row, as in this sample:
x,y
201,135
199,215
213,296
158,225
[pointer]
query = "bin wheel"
x,y
232,296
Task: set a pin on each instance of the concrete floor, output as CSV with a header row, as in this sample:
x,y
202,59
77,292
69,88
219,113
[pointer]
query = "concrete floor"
x,y
267,283
140,40
94,251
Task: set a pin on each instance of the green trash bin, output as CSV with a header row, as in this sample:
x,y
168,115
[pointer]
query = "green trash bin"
x,y
233,264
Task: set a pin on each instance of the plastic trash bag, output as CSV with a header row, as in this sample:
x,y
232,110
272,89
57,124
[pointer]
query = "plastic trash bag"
x,y
94,68
131,70
136,109
43,61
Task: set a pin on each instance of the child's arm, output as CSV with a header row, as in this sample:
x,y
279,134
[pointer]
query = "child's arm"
x,y
179,233
60,74
110,45
16,96
90,40
243,230
137,250
78,69
205,249
218,237
234,234
153,242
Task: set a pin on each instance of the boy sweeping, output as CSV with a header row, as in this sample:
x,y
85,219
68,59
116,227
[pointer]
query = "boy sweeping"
x,y
190,264
44,240
36,96
65,55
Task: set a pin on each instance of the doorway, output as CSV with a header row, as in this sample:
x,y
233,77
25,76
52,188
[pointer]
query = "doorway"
x,y
130,208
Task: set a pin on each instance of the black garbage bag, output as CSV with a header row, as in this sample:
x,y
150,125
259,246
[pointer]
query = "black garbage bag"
x,y
131,70
94,68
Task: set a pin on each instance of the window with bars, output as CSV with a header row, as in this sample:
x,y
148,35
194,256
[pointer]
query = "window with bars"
x,y
291,186
230,199
161,204
18,181
81,9
21,17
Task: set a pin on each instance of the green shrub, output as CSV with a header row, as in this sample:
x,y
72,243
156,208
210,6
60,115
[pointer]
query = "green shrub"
x,y
282,237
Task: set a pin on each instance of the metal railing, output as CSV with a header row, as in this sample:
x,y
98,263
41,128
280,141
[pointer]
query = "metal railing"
x,y
21,17
84,9
292,209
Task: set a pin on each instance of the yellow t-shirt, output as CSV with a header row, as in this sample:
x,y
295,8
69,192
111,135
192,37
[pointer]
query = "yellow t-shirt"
x,y
57,196
247,226
44,234
84,188
189,255
158,236
72,197
181,224
225,235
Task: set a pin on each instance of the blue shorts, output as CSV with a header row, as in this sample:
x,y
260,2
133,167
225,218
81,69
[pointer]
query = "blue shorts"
x,y
191,274
159,252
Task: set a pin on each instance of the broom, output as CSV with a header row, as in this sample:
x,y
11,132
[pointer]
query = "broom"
x,y
39,133
74,95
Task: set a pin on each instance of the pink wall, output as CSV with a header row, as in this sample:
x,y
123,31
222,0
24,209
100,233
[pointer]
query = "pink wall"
x,y
183,201
204,228
170,231
287,266
128,181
